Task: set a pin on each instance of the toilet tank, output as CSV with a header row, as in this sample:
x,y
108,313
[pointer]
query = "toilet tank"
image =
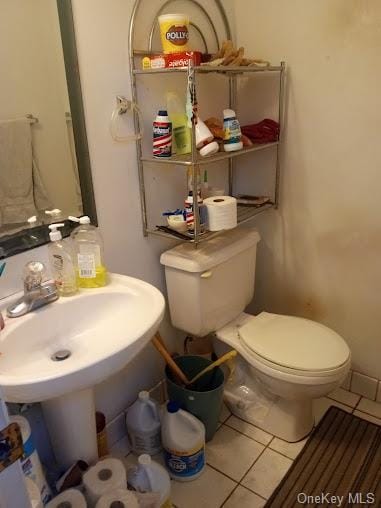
x,y
210,285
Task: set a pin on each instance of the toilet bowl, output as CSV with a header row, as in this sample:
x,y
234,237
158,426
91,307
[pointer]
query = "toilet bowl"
x,y
284,362
285,383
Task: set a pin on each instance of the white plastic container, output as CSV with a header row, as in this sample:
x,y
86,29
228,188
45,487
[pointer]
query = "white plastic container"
x,y
183,437
232,132
34,494
88,247
143,425
149,476
30,462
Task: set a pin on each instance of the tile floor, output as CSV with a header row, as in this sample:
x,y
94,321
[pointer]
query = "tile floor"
x,y
244,463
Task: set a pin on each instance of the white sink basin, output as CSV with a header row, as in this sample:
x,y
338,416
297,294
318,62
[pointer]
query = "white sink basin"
x,y
100,329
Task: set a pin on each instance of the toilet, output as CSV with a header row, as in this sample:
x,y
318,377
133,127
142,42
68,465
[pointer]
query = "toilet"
x,y
284,362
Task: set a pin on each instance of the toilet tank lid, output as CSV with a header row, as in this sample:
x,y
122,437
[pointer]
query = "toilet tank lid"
x,y
211,252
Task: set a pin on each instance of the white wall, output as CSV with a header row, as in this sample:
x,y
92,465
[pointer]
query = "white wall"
x,y
102,37
320,254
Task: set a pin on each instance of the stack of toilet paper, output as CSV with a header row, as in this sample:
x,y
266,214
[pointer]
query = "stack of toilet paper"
x,y
106,484
120,497
221,212
70,498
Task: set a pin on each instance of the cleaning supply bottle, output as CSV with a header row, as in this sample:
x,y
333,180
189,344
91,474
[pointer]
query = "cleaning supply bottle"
x,y
189,212
30,461
232,132
143,425
162,135
183,437
88,247
150,476
61,262
181,131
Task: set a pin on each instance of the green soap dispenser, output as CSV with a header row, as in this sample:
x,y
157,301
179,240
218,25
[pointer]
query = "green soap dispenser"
x,y
88,247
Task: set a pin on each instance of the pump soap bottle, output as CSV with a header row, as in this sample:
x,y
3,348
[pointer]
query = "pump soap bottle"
x,y
88,246
61,262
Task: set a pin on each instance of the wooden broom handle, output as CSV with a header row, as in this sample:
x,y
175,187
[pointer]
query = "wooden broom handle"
x,y
159,345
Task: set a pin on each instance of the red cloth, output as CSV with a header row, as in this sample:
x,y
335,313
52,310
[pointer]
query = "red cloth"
x,y
266,131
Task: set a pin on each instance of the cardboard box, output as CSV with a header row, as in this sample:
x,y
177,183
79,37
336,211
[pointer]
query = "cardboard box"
x,y
171,60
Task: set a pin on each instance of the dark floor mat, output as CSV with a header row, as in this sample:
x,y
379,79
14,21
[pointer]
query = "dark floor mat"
x,y
340,465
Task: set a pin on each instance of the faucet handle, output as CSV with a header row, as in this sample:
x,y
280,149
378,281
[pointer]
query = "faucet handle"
x,y
33,275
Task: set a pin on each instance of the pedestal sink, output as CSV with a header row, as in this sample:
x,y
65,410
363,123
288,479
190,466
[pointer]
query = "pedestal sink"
x,y
57,354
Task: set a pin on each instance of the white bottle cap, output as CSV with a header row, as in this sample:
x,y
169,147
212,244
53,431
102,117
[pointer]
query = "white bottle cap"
x,y
145,459
32,220
54,234
143,395
229,113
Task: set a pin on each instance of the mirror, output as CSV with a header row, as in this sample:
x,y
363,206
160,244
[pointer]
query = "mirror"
x,y
45,172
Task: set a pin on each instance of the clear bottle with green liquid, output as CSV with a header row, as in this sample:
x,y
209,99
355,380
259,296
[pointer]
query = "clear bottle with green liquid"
x,y
180,129
88,246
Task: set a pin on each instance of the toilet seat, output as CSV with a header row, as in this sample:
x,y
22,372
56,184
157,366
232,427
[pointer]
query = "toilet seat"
x,y
295,345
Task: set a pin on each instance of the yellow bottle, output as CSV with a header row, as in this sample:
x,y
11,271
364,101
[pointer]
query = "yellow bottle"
x,y
88,245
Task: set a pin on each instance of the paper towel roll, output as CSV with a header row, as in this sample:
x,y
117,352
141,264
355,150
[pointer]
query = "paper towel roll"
x,y
34,493
106,476
222,212
124,498
70,498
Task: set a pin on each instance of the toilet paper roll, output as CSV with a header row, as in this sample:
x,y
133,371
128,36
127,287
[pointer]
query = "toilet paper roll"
x,y
34,493
121,497
70,498
222,212
106,476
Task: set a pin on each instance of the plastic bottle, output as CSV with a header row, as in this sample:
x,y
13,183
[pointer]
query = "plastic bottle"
x,y
61,262
149,476
30,462
88,248
143,425
189,212
179,119
162,135
232,132
183,437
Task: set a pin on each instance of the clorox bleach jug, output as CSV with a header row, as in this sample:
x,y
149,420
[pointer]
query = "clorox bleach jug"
x,y
183,438
143,425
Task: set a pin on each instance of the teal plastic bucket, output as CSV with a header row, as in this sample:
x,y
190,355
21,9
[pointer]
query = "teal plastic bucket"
x,y
204,400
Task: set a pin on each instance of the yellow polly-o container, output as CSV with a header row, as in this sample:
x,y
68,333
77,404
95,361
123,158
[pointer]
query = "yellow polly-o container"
x,y
174,32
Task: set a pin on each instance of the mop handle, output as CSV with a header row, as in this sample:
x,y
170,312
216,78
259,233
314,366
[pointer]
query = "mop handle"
x,y
228,356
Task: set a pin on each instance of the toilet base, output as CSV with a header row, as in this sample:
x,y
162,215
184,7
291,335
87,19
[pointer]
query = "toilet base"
x,y
290,420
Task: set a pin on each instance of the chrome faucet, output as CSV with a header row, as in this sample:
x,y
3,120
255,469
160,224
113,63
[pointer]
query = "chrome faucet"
x,y
36,294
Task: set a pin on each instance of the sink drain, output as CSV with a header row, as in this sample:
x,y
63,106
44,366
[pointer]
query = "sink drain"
x,y
61,355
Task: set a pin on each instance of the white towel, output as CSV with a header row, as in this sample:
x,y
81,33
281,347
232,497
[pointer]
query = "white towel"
x,y
22,192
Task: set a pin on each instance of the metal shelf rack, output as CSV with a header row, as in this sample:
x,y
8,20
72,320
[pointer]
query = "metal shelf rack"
x,y
193,160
